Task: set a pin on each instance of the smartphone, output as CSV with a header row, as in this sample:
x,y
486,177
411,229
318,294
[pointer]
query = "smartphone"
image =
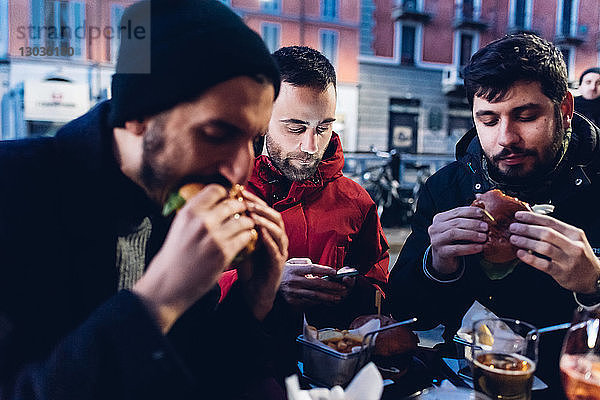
x,y
342,272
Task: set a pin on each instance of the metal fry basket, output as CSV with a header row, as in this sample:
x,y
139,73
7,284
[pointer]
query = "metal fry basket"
x,y
328,367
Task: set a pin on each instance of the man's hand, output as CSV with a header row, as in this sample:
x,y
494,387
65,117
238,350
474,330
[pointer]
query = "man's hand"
x,y
567,254
202,242
302,285
261,273
456,233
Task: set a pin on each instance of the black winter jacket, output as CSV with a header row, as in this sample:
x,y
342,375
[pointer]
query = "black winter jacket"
x,y
526,294
65,331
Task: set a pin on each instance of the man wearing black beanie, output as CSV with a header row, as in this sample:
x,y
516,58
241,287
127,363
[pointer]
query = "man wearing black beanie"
x,y
101,296
588,103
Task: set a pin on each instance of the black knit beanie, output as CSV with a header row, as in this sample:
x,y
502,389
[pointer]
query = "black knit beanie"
x,y
193,45
595,70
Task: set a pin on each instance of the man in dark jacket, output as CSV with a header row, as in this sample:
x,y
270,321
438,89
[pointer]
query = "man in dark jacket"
x,y
588,103
331,220
101,297
528,143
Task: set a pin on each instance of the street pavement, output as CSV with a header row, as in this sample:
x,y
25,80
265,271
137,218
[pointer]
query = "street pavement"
x,y
396,237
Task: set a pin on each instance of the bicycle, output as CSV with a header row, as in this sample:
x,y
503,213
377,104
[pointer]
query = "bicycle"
x,y
394,203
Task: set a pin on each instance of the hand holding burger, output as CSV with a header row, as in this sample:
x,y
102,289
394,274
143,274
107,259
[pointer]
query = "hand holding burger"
x,y
258,267
177,200
499,213
202,242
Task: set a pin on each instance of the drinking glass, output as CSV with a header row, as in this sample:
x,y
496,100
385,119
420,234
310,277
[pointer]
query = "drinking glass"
x,y
504,358
580,357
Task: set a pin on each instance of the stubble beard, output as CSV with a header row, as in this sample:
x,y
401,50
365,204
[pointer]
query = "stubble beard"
x,y
546,159
283,162
153,175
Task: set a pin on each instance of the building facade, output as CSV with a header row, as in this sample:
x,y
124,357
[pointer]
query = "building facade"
x,y
330,26
39,93
56,61
418,48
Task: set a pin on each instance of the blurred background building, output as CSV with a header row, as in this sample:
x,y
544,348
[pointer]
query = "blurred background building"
x,y
418,48
398,61
40,92
330,26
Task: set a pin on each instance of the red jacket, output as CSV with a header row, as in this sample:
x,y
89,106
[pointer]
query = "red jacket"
x,y
328,218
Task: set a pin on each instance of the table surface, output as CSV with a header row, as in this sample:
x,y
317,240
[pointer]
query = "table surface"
x,y
425,369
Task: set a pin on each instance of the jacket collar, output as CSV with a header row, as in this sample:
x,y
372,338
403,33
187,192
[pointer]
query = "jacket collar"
x,y
87,142
580,160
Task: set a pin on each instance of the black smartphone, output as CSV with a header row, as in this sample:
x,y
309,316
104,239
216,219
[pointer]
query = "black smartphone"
x,y
346,271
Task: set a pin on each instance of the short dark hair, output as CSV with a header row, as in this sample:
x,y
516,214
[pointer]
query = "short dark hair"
x,y
304,66
495,68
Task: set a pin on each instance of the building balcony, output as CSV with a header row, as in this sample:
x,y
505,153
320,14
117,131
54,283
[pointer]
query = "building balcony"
x,y
408,10
469,18
573,38
452,80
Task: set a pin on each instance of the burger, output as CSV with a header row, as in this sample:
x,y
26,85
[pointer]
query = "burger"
x,y
392,342
499,213
177,200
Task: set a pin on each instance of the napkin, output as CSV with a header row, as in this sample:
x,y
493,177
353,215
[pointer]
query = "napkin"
x,y
475,313
505,339
366,385
431,337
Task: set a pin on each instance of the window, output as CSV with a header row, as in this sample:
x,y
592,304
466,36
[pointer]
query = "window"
x,y
567,18
3,28
410,5
329,45
466,49
329,9
407,51
65,27
469,9
520,14
37,22
270,6
116,13
271,35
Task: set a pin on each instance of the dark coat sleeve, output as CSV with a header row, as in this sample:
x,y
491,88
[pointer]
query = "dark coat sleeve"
x,y
65,334
227,340
118,353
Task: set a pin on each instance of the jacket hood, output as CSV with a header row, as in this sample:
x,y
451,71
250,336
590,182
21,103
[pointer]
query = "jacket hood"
x,y
329,168
269,181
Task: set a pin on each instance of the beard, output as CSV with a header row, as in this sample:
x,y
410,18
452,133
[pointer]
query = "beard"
x,y
546,159
154,175
283,161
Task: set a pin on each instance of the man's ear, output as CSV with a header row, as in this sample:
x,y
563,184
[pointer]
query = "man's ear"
x,y
138,128
566,109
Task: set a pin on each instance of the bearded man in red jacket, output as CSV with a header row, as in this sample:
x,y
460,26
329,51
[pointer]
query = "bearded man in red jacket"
x,y
330,220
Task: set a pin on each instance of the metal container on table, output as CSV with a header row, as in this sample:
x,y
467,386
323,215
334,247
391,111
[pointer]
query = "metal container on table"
x,y
328,367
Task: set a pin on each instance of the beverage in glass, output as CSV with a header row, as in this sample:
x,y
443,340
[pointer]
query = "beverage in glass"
x,y
580,358
504,358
